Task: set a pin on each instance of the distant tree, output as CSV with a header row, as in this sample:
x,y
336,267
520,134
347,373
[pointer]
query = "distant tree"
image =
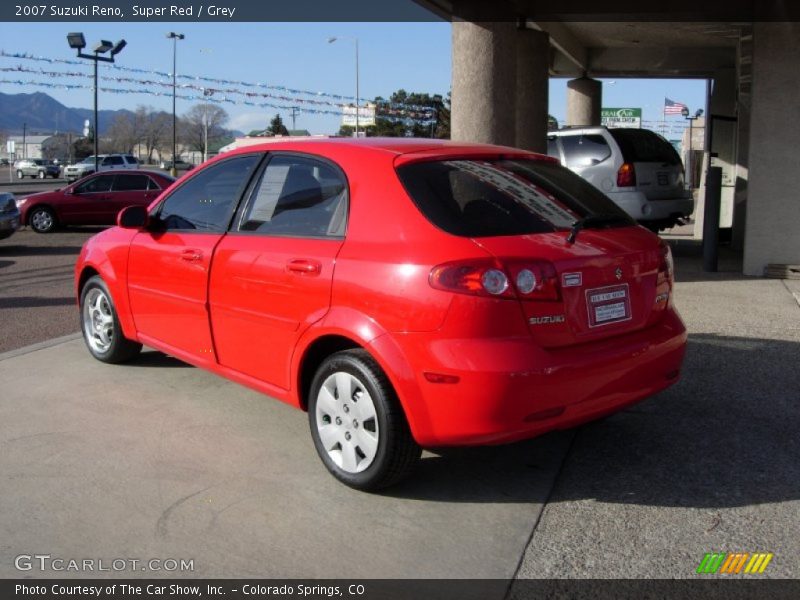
x,y
57,146
276,126
82,147
197,119
125,132
157,128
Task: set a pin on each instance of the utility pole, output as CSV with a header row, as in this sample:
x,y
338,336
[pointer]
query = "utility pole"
x,y
24,146
294,112
174,37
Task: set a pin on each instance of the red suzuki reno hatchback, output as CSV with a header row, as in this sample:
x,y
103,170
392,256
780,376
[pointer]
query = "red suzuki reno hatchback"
x,y
406,293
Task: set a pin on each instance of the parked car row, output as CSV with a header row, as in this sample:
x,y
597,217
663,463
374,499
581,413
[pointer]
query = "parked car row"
x,y
42,168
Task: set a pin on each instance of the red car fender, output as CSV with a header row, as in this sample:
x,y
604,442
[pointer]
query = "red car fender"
x,y
94,257
363,330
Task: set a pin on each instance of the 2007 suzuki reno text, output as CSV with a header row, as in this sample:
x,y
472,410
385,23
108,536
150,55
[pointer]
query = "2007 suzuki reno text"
x,y
406,293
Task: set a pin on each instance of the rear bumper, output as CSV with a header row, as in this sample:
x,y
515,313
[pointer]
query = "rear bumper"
x,y
640,208
511,389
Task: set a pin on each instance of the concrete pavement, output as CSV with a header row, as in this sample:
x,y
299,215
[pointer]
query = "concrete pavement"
x,y
156,459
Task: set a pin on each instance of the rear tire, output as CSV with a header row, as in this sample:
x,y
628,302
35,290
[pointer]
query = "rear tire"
x,y
357,424
100,325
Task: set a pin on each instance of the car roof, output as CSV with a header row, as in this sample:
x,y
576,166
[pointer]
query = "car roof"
x,y
134,172
391,145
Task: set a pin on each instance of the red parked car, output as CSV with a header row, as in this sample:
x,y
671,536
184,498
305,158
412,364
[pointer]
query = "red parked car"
x,y
406,293
93,200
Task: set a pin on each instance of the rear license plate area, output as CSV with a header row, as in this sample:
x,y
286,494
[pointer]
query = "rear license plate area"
x,y
662,177
607,305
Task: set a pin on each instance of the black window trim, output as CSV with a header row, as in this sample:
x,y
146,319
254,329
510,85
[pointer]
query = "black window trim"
x,y
249,198
155,214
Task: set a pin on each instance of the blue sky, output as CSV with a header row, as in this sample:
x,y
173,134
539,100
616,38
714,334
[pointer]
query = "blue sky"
x,y
412,56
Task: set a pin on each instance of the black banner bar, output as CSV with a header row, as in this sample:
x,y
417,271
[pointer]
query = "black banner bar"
x,y
705,587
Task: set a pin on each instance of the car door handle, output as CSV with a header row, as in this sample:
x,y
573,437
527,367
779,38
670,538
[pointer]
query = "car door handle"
x,y
191,255
304,266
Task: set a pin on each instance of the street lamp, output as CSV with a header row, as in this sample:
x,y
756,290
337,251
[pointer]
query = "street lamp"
x,y
697,115
207,93
174,37
78,42
355,40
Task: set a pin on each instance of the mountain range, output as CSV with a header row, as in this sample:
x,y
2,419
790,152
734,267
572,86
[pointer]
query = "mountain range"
x,y
42,114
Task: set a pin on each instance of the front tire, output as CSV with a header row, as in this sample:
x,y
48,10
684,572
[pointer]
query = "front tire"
x,y
20,174
357,424
100,325
41,174
42,220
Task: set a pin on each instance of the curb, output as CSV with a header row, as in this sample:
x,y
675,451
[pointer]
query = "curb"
x,y
40,346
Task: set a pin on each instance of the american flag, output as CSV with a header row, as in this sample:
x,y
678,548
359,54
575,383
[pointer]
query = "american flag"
x,y
672,108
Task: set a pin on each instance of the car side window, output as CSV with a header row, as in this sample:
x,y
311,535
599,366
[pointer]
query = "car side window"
x,y
584,150
130,183
95,184
205,201
114,160
297,196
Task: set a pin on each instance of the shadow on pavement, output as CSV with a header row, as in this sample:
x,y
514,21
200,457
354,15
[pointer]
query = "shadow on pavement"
x,y
688,258
7,263
725,436
17,250
33,302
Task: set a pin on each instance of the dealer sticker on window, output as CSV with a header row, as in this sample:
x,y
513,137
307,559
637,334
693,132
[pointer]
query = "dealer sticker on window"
x,y
608,305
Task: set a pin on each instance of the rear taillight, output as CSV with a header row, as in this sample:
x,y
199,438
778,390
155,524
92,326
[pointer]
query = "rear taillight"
x,y
626,176
666,266
523,279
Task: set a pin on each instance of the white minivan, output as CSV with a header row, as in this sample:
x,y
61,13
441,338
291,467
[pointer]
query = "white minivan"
x,y
637,168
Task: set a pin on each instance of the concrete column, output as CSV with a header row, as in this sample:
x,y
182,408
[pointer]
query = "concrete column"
x,y
533,73
722,134
773,210
484,82
584,100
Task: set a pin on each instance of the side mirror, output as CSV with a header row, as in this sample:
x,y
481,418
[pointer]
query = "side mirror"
x,y
133,217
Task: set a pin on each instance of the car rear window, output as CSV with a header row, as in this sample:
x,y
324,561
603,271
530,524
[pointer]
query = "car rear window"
x,y
584,150
496,197
641,145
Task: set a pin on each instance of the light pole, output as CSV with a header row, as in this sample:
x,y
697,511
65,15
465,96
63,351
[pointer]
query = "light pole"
x,y
206,94
355,40
174,37
697,115
78,42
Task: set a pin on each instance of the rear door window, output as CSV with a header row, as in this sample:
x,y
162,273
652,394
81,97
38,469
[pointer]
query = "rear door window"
x,y
584,150
482,198
297,196
641,145
128,183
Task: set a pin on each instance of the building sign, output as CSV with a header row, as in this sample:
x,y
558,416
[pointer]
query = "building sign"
x,y
621,117
366,115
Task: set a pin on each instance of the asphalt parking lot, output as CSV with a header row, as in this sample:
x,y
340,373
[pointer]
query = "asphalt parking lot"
x,y
157,459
